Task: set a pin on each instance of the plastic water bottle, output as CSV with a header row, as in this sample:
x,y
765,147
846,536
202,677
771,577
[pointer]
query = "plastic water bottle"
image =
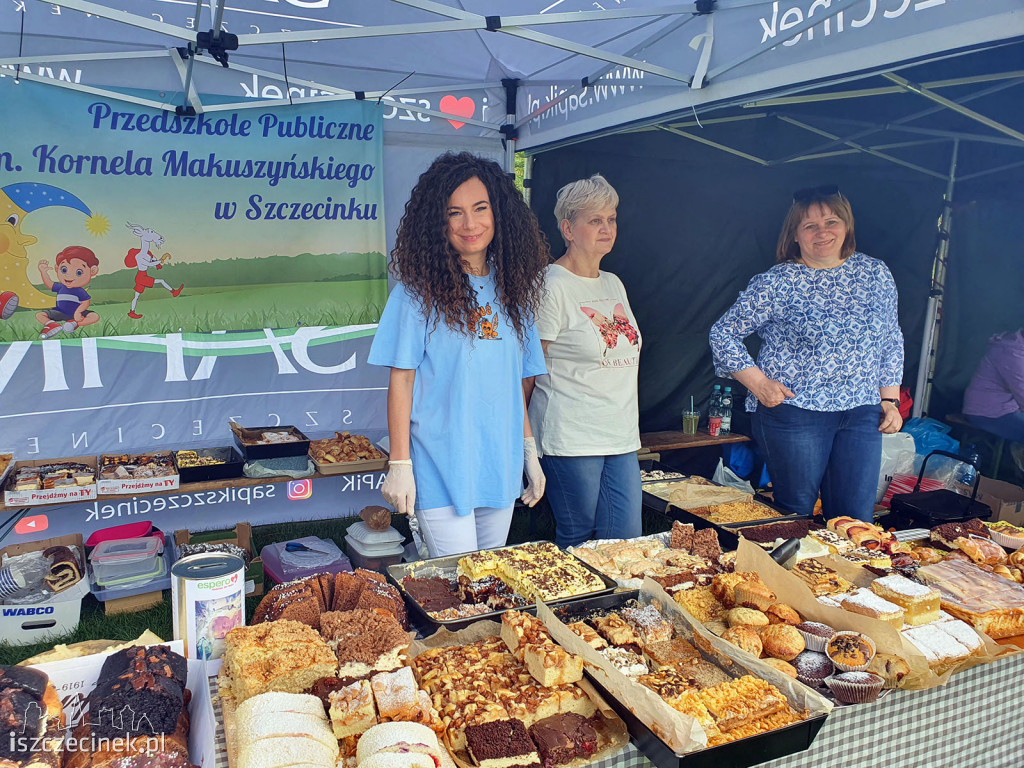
x,y
726,411
966,474
715,411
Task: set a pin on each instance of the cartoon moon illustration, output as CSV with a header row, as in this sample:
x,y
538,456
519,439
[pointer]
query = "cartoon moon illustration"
x,y
16,202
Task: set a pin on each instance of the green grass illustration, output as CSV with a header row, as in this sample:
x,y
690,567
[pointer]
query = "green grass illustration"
x,y
288,305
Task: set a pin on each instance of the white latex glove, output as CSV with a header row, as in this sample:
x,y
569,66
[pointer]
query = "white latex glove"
x,y
534,474
399,489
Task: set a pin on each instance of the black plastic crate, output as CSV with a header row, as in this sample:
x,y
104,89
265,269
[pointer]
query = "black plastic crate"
x,y
231,468
245,435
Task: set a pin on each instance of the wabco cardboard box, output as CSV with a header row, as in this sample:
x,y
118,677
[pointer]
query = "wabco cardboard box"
x,y
33,622
75,679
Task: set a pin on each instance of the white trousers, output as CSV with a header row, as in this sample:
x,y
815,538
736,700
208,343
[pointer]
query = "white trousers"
x,y
446,533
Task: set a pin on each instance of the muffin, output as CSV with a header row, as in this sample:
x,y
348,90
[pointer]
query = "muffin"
x,y
782,641
890,668
745,638
812,668
745,617
855,687
780,613
815,634
752,594
850,651
783,666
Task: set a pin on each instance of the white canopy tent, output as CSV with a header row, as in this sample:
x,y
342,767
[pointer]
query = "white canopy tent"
x,y
534,74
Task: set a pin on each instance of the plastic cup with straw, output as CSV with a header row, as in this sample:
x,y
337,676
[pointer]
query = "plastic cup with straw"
x,y
690,419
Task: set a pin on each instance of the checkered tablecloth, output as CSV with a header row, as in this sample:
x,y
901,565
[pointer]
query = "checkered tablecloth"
x,y
974,721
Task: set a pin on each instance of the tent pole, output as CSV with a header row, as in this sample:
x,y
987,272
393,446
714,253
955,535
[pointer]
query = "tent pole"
x,y
508,130
933,312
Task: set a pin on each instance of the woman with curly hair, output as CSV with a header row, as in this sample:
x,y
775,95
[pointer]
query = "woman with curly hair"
x,y
458,334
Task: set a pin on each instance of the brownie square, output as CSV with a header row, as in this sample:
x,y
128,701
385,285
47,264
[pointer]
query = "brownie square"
x,y
563,738
499,741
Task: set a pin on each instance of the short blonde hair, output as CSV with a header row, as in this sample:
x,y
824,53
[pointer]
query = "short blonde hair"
x,y
593,194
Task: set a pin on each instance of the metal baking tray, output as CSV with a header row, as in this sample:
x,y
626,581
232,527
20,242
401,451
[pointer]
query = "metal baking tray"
x,y
725,534
649,465
729,533
738,754
446,567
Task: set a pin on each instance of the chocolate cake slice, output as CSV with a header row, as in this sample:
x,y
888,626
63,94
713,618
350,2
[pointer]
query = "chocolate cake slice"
x,y
563,738
22,711
139,691
501,743
433,594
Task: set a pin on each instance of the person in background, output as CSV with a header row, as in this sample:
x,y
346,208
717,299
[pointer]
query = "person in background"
x,y
994,400
585,409
826,383
458,334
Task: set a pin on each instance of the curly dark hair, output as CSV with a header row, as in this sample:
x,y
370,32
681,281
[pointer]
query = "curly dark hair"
x,y
426,263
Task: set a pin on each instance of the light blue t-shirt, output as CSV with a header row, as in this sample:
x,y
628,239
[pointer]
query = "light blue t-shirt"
x,y
466,431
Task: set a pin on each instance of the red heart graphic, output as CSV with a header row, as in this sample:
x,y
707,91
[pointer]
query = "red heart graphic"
x,y
464,107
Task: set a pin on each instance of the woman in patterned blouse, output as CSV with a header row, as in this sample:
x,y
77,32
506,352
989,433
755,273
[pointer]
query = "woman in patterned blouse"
x,y
826,382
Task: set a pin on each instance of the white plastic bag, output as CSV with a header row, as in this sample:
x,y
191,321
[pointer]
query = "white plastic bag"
x,y
897,459
725,476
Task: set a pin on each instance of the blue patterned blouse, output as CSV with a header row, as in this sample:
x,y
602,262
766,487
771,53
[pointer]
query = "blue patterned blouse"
x,y
830,335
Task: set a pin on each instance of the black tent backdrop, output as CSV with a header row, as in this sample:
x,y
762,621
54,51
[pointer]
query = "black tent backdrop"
x,y
696,222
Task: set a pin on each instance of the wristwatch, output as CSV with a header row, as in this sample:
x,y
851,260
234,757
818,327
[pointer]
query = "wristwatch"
x,y
894,400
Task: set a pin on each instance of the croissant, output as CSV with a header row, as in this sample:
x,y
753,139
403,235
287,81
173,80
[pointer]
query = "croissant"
x,y
1017,558
981,550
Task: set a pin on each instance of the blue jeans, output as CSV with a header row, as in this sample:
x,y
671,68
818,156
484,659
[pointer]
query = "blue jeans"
x,y
1010,426
593,497
836,454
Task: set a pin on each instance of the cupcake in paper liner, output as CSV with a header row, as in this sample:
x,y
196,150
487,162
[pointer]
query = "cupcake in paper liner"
x,y
816,635
890,668
812,668
850,651
855,687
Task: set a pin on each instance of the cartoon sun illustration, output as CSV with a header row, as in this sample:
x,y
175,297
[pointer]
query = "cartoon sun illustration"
x,y
16,202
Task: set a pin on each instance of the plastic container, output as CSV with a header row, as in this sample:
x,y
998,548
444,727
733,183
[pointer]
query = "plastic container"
x,y
122,561
374,557
368,537
281,566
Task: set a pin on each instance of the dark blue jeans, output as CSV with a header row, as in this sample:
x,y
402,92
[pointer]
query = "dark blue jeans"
x,y
837,454
593,497
1010,426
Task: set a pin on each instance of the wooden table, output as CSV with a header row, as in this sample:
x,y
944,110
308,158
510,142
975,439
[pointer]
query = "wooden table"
x,y
674,440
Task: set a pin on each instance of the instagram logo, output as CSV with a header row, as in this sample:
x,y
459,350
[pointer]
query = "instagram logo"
x,y
299,489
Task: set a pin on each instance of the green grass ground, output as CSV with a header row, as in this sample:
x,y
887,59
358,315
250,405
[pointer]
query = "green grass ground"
x,y
96,625
246,307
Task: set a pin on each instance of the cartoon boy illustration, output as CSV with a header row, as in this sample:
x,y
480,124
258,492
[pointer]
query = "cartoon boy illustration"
x,y
76,266
143,260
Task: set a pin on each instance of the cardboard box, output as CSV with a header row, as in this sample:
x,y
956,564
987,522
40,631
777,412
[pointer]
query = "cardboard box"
x,y
33,622
63,495
240,536
117,485
75,679
1005,499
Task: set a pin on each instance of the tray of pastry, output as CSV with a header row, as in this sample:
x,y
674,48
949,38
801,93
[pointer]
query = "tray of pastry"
x,y
6,463
346,453
687,492
652,471
269,442
121,473
455,591
725,517
766,532
201,465
692,677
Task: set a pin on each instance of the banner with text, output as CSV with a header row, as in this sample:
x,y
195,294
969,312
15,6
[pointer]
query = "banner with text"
x,y
117,220
141,393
